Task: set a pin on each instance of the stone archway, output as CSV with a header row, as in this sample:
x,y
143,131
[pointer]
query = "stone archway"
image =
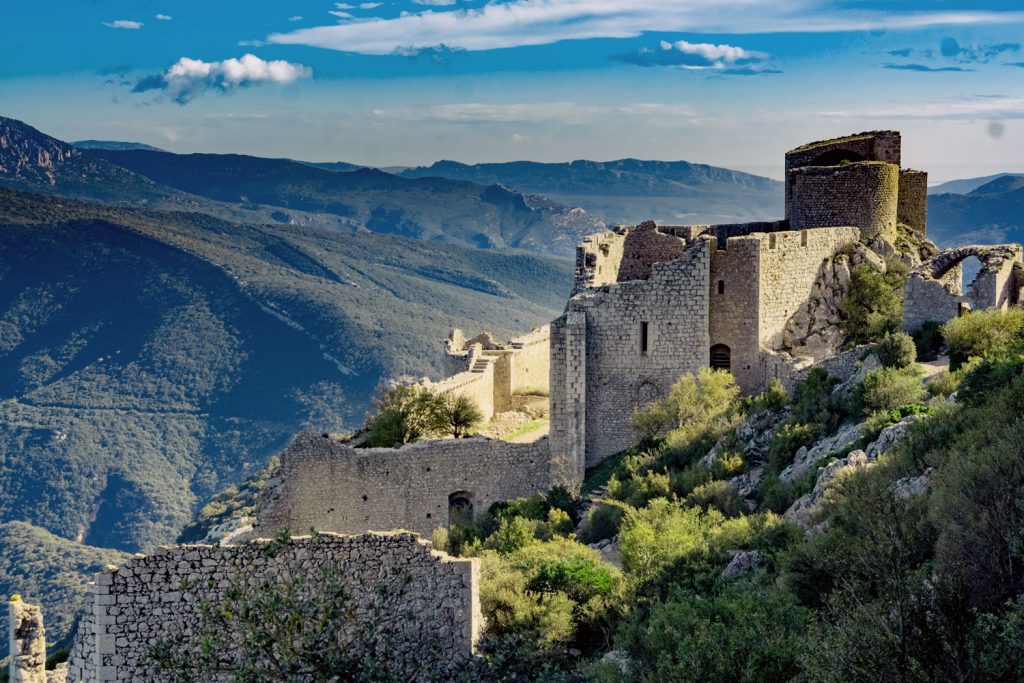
x,y
460,509
721,357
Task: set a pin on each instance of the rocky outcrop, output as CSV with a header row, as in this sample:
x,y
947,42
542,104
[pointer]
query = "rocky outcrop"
x,y
806,458
804,511
908,487
742,563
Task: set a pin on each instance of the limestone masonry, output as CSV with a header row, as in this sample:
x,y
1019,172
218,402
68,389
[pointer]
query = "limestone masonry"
x,y
649,304
425,601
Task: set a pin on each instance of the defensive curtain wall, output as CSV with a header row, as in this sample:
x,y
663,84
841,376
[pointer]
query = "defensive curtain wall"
x,y
421,604
326,484
934,291
496,376
722,303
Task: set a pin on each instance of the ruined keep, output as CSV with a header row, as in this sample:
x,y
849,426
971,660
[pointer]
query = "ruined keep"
x,y
651,303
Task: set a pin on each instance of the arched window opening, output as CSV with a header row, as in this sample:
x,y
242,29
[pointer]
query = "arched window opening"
x,y
646,394
460,509
721,357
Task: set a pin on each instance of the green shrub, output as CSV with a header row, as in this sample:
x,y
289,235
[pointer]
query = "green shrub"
x,y
788,440
983,334
928,341
601,522
717,495
980,377
728,465
512,535
813,402
559,523
896,350
459,413
777,495
943,384
653,537
887,389
684,481
405,414
874,304
772,398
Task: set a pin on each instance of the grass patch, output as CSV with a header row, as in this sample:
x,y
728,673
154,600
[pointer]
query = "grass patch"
x,y
533,426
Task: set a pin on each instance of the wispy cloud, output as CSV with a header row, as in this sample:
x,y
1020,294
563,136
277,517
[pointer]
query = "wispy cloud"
x,y
1018,64
925,68
539,22
533,112
979,108
727,59
297,17
435,3
163,17
190,78
123,23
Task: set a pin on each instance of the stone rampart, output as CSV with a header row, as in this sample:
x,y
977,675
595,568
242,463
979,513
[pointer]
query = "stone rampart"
x,y
421,605
531,361
27,639
863,194
912,208
328,485
476,383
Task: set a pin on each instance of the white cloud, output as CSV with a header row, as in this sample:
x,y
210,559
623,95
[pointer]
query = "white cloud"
x,y
572,113
340,14
434,3
370,5
344,5
123,23
539,22
715,54
189,78
967,109
297,17
164,17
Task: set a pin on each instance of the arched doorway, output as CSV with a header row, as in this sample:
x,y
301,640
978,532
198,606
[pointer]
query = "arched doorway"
x,y
460,509
721,357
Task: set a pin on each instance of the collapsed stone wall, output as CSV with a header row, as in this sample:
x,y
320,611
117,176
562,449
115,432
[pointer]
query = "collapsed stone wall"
x,y
424,600
491,373
863,194
27,639
328,485
637,339
933,291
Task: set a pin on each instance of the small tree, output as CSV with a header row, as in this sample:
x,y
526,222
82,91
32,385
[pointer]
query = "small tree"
x,y
406,414
896,350
461,414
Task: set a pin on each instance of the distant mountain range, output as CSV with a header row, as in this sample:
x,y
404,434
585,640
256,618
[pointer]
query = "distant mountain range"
x,y
965,185
114,144
990,213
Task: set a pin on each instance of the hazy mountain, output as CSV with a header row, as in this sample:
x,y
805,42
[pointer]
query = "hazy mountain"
x,y
990,213
114,144
631,190
966,185
435,209
149,358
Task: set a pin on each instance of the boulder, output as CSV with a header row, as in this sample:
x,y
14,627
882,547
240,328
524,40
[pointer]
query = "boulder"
x,y
743,562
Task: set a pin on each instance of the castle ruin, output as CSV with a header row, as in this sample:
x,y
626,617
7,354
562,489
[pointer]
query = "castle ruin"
x,y
649,304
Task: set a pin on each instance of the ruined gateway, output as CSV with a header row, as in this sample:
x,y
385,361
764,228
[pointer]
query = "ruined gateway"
x,y
649,303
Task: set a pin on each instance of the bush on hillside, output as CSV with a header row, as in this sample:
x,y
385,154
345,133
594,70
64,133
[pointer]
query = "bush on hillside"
x,y
896,350
987,333
717,495
928,341
813,402
873,306
888,389
405,414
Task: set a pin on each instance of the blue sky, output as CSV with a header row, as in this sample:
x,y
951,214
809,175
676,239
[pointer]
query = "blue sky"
x,y
400,82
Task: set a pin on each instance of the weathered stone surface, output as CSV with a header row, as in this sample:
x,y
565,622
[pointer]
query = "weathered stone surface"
x,y
743,562
27,638
806,458
427,600
908,487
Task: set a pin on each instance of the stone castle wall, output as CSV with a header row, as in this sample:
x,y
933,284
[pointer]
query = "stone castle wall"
x,y
531,361
733,295
27,642
912,207
396,584
328,485
476,383
790,265
863,194
620,375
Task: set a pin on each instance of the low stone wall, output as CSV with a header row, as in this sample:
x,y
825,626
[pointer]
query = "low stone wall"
x,y
328,485
421,605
